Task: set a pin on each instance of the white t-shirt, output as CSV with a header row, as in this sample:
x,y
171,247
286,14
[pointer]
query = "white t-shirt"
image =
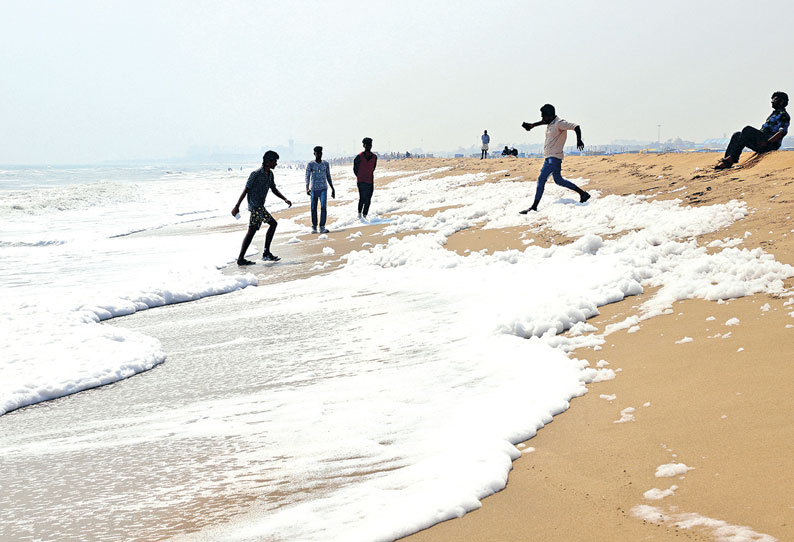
x,y
556,134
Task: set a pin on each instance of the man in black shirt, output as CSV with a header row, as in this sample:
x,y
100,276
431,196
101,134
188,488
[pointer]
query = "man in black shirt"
x,y
260,182
768,138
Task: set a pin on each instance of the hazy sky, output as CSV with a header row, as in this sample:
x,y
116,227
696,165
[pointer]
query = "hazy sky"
x,y
87,81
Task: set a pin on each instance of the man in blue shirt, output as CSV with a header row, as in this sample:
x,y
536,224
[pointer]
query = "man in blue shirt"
x,y
485,140
318,179
260,182
768,138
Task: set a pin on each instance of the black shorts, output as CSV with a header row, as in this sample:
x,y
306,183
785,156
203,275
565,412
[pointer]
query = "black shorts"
x,y
258,216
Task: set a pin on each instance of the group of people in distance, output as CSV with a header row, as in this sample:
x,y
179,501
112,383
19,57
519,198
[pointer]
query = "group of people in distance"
x,y
318,179
318,172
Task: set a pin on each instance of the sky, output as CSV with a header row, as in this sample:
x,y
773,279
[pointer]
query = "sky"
x,y
90,81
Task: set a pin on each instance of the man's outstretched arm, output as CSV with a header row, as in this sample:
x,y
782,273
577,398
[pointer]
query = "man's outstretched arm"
x,y
529,125
579,142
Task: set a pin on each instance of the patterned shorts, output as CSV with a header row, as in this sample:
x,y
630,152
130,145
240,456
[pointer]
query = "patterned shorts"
x,y
258,216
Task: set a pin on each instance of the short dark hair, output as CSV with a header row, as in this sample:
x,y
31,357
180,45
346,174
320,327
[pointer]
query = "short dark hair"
x,y
318,148
547,109
270,155
367,140
783,96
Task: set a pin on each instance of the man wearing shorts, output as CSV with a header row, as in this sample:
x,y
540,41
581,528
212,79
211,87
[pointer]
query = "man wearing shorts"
x,y
556,133
260,182
364,168
486,139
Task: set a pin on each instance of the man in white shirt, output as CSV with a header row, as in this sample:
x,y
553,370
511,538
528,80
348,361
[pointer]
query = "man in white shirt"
x,y
486,139
318,179
556,133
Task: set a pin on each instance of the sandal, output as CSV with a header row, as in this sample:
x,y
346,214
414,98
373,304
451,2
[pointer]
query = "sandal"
x,y
724,163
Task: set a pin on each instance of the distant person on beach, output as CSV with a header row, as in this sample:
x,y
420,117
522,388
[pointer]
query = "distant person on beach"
x,y
556,133
260,182
318,179
768,138
364,168
485,140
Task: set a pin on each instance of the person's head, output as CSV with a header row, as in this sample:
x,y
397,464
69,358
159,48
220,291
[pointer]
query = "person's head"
x,y
318,153
367,142
547,112
485,131
270,159
779,99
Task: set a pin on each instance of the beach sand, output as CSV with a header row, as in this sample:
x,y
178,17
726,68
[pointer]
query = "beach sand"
x,y
720,405
715,402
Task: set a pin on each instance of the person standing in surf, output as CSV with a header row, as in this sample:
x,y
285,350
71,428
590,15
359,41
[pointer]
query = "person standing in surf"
x,y
556,133
260,182
318,179
364,168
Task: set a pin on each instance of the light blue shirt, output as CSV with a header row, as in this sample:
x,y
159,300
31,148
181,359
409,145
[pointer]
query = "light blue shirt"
x,y
317,175
486,139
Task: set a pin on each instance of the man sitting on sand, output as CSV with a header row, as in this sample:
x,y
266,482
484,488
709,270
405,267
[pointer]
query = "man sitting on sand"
x,y
556,133
259,183
768,138
318,179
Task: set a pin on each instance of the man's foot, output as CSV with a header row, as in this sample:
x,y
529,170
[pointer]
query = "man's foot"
x,y
325,230
243,261
525,211
314,230
584,197
724,163
270,257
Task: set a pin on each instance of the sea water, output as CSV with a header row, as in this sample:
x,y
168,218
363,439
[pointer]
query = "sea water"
x,y
80,244
362,404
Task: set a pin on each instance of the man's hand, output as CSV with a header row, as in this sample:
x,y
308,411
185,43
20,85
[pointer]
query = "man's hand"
x,y
288,202
236,210
527,126
333,193
763,145
580,145
308,192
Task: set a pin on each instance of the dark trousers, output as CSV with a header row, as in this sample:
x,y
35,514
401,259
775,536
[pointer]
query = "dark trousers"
x,y
364,197
750,137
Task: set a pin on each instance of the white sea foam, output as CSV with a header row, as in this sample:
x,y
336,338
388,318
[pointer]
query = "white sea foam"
x,y
722,531
411,348
669,470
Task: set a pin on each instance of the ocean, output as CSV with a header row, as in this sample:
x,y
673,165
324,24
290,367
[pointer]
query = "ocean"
x,y
364,403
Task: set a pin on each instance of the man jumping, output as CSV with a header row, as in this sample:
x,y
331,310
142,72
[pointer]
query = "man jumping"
x,y
556,133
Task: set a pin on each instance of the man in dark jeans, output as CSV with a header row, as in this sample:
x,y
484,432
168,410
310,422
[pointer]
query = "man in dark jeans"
x,y
364,168
768,138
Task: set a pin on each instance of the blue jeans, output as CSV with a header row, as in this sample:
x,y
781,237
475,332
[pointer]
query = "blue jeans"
x,y
322,197
553,167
